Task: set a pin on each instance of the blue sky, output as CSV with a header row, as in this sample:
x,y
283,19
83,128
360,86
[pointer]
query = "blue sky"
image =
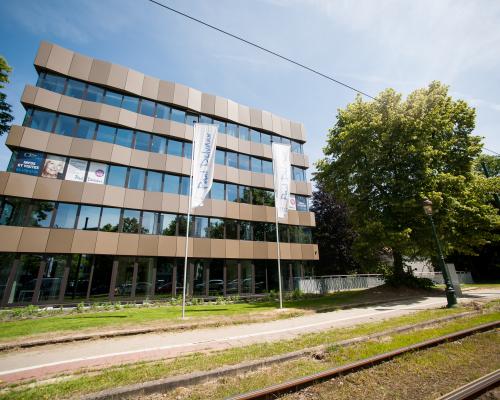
x,y
370,44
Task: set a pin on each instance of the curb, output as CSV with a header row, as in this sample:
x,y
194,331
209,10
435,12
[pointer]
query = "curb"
x,y
175,328
196,378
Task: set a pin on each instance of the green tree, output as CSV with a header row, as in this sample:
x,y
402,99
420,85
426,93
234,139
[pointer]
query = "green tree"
x,y
492,164
5,108
384,157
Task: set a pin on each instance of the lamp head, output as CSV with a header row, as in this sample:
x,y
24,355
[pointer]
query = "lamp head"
x,y
427,205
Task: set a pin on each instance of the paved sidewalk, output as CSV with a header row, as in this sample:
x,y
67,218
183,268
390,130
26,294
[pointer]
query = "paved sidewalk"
x,y
48,360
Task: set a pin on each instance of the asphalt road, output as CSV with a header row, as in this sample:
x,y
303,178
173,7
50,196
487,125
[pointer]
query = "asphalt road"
x,y
45,361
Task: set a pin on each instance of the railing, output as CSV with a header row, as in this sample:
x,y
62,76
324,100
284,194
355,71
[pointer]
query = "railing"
x,y
337,283
437,277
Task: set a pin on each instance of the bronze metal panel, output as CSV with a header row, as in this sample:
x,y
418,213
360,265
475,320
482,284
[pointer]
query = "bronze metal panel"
x,y
189,133
4,178
207,103
166,92
285,127
177,129
267,121
181,94
33,240
69,105
150,87
221,107
307,252
170,202
232,249
99,72
121,155
217,248
296,251
173,164
117,76
101,151
10,238
201,248
219,208
81,148
258,180
183,204
20,185
244,115
232,210
93,193
71,191
111,114
232,111
293,217
114,196
234,144
220,172
272,251
145,123
58,144
106,243
29,94
277,124
15,136
270,214
59,59
181,247
133,198
90,110
161,126
246,249
80,67
127,118
47,189
256,118
205,209
43,53
259,213
245,177
139,158
153,201
60,241
260,250
167,246
148,245
194,99
47,99
232,175
285,251
157,161
134,83
84,242
295,131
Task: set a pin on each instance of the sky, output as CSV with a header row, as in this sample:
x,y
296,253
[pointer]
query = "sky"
x,y
369,44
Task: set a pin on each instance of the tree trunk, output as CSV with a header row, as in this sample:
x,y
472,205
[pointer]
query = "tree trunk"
x,y
398,265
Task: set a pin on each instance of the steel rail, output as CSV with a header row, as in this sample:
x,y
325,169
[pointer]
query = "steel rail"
x,y
271,392
475,388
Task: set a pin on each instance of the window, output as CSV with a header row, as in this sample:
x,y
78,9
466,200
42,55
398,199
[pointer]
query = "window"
x,y
89,218
112,98
43,120
188,148
217,191
142,141
216,228
65,125
267,167
75,88
171,184
185,185
181,224
220,157
306,235
66,216
284,233
245,230
95,93
168,224
178,116
296,147
244,194
174,148
14,211
136,179
191,119
159,144
298,174
268,196
244,132
147,107
276,139
124,137
117,175
54,83
231,192
130,221
301,202
232,130
256,165
105,133
244,162
271,232
200,227
41,214
162,111
254,136
231,229
154,181
259,231
258,196
285,140
232,159
130,103
221,126
265,138
110,219
205,120
86,129
149,223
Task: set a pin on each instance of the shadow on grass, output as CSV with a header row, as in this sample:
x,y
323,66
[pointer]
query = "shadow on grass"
x,y
95,316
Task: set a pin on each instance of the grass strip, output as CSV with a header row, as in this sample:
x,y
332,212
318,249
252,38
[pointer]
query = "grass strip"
x,y
142,372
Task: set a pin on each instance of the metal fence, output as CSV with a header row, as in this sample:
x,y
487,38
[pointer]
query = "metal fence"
x,y
337,283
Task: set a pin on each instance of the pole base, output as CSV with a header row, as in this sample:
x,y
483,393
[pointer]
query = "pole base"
x,y
452,299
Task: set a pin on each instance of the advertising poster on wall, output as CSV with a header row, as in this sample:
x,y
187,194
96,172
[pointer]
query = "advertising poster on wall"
x,y
292,203
302,203
29,163
97,173
53,167
76,170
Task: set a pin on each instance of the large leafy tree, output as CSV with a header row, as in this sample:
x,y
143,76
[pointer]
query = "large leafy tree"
x,y
5,108
333,234
383,157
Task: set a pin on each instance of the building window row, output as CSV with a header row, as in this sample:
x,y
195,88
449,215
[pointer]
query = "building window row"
x,y
79,170
72,278
66,125
86,91
16,211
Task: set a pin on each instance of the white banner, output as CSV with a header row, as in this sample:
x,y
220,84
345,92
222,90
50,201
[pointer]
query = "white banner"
x,y
97,173
76,170
204,140
282,177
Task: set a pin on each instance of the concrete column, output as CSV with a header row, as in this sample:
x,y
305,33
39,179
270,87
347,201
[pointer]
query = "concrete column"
x,y
38,285
112,284
7,298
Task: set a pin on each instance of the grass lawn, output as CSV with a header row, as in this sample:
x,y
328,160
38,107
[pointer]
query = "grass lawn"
x,y
166,315
92,381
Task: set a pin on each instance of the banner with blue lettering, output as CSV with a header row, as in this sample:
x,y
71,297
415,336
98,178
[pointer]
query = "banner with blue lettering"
x,y
282,177
29,162
204,140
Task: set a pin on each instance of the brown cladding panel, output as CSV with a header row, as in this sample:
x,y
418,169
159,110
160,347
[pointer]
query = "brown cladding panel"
x,y
246,249
139,159
90,110
33,240
201,248
101,151
59,59
106,243
47,189
69,105
134,82
80,67
114,196
232,249
20,185
43,53
84,242
217,248
148,245
181,94
29,94
117,76
15,136
58,144
4,178
208,104
220,107
121,155
167,246
99,72
243,114
133,198
256,118
166,92
93,193
47,99
111,114
152,201
10,238
60,241
150,87
194,100
71,191
81,148
145,123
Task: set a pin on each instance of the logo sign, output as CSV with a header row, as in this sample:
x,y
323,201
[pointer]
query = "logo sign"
x,y
29,163
282,177
97,173
204,140
292,203
76,170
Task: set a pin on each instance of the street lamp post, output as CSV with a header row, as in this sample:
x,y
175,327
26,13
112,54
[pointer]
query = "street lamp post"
x,y
450,292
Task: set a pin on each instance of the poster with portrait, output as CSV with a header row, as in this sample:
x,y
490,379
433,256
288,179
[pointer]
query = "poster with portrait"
x,y
97,173
53,167
292,204
28,162
76,170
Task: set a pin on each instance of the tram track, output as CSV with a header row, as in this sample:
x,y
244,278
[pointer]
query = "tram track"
x,y
296,385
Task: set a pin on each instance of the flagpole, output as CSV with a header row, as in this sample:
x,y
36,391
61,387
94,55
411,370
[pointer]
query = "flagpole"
x,y
277,232
187,232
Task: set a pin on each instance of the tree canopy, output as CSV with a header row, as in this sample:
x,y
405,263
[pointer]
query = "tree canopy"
x,y
383,157
5,108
